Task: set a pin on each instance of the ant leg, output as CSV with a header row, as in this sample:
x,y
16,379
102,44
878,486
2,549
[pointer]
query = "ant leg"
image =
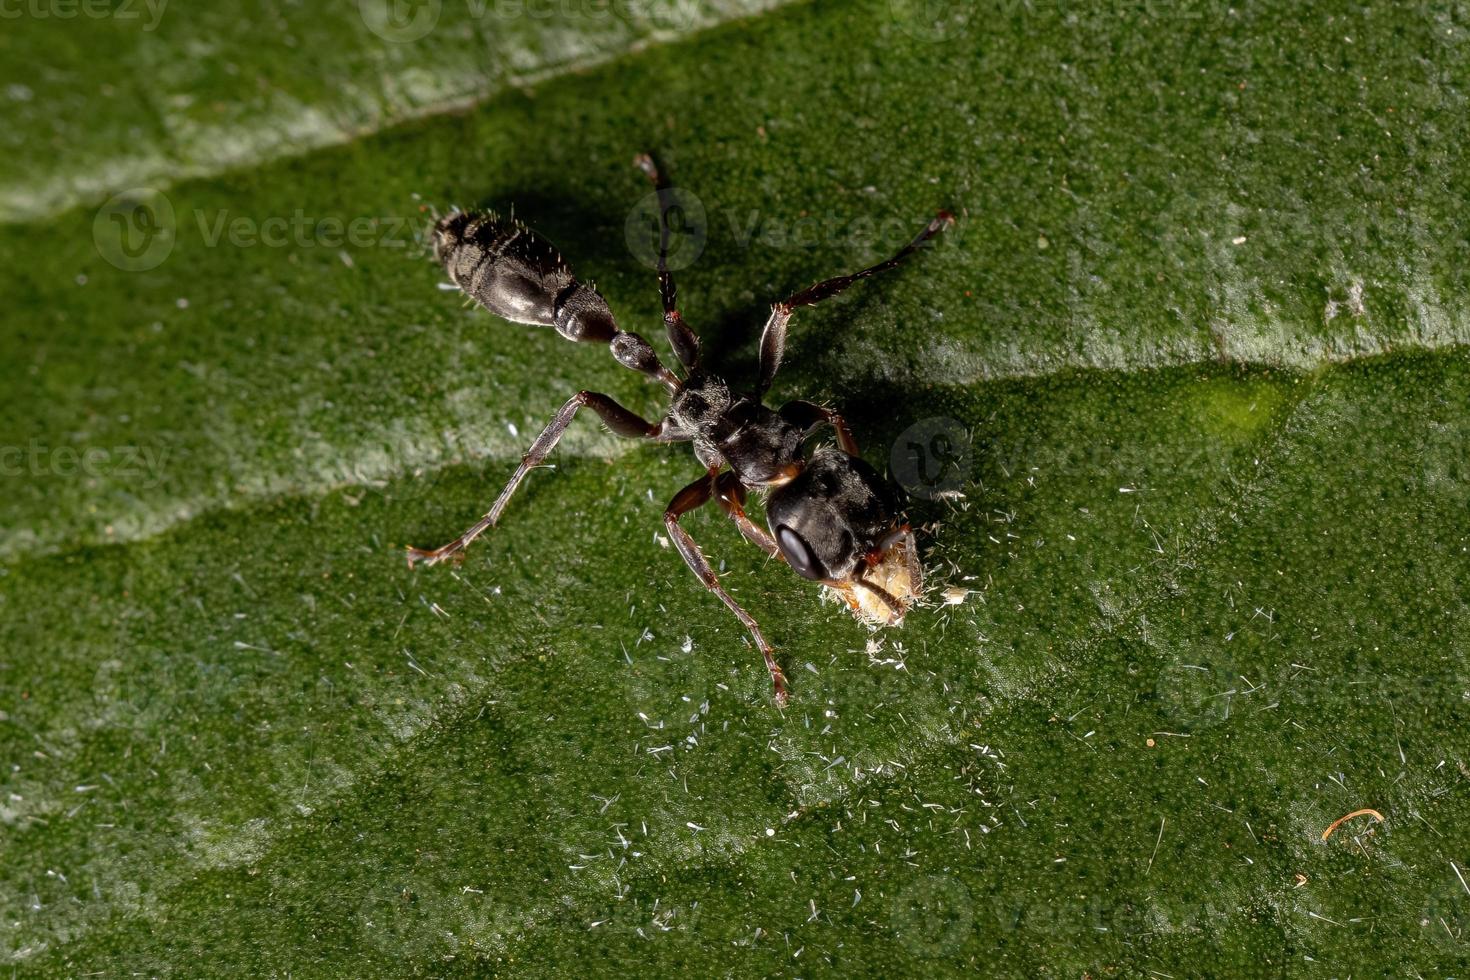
x,y
692,497
897,533
773,339
730,493
617,418
886,597
808,415
681,338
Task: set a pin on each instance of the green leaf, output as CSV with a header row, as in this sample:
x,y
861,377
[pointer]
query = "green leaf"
x,y
1202,587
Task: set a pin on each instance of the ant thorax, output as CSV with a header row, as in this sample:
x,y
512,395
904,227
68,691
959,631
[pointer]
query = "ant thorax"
x,y
758,444
701,403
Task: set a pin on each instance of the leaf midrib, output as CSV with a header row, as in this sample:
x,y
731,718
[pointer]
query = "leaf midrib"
x,y
183,512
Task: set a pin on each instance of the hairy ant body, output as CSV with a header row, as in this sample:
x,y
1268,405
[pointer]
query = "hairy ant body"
x,y
832,518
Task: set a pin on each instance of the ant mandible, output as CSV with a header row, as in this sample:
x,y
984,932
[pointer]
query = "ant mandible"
x,y
832,518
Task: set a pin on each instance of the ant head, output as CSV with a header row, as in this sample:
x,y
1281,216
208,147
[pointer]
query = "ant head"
x,y
449,232
831,515
838,522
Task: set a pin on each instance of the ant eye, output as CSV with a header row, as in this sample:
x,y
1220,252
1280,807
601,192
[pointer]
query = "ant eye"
x,y
799,554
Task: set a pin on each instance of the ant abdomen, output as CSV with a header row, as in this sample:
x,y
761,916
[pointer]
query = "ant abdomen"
x,y
520,276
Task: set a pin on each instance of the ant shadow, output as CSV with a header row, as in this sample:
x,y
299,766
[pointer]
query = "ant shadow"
x,y
583,231
594,236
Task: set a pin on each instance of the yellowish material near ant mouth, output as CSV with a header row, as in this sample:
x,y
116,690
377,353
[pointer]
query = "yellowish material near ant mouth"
x,y
899,574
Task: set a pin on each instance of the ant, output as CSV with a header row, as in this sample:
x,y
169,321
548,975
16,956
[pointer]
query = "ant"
x,y
832,518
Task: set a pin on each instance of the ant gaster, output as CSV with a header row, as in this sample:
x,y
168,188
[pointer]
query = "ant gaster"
x,y
832,518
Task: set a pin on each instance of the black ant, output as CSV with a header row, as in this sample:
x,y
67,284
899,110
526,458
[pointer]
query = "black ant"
x,y
832,518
